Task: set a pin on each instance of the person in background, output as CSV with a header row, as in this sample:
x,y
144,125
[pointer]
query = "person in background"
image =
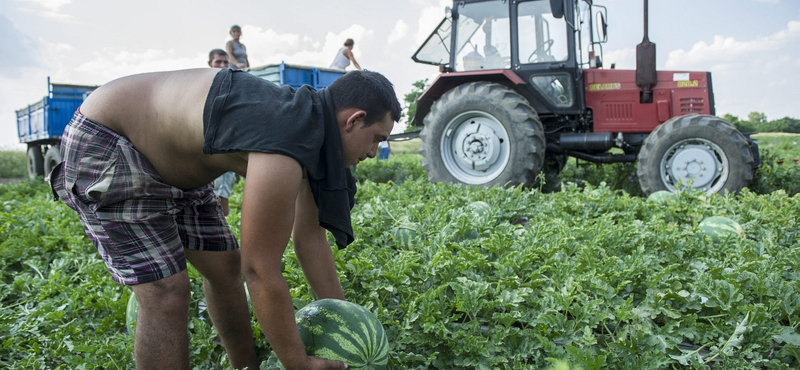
x,y
223,185
236,50
218,58
383,150
344,56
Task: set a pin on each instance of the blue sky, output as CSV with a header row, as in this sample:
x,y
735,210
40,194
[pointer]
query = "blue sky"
x,y
752,47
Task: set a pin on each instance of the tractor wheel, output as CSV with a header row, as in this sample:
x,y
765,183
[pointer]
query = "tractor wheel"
x,y
35,161
51,158
482,133
697,151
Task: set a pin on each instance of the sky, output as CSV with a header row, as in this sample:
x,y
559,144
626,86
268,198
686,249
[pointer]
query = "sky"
x,y
751,47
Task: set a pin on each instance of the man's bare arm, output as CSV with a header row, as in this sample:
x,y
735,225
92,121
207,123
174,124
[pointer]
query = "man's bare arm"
x,y
268,211
312,248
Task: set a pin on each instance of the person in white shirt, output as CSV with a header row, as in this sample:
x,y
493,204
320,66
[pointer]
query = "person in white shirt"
x,y
344,56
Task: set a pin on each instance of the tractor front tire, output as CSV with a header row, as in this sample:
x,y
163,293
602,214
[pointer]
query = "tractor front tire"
x,y
695,151
482,133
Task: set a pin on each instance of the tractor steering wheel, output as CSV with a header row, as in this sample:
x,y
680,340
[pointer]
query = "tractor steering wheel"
x,y
534,57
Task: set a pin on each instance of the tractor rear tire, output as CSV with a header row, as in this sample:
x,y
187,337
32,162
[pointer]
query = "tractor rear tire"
x,y
482,133
35,161
51,158
695,151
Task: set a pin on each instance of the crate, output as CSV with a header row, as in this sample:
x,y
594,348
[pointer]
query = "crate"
x,y
297,75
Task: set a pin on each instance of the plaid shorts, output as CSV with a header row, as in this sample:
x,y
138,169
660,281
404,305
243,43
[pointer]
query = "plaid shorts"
x,y
139,224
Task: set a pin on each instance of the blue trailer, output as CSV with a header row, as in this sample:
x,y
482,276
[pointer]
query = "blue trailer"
x,y
296,75
40,125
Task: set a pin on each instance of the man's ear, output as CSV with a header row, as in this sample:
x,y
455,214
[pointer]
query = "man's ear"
x,y
354,119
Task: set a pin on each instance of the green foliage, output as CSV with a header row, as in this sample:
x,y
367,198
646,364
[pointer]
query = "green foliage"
x,y
618,176
589,277
398,168
13,164
780,164
410,103
600,279
59,308
758,122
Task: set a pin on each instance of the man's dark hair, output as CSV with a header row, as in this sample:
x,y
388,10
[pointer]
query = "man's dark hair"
x,y
366,90
216,52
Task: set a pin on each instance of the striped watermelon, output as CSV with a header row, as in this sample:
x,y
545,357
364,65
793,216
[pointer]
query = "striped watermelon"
x,y
405,234
718,227
479,207
339,330
131,313
662,197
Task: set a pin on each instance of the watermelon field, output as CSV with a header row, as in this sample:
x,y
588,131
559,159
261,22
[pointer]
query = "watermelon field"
x,y
590,275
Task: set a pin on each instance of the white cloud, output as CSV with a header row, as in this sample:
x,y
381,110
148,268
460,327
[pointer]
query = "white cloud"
x,y
727,49
111,63
24,48
398,32
48,8
623,59
430,17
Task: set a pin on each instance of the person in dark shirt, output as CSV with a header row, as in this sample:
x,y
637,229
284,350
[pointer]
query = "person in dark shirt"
x,y
218,58
139,157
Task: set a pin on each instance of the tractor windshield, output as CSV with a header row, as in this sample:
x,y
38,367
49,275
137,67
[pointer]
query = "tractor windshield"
x,y
483,37
436,49
542,37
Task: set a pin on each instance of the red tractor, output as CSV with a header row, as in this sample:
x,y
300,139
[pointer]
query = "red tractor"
x,y
518,95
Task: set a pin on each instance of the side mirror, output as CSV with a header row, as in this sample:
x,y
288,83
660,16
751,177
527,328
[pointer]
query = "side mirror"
x,y
557,6
602,28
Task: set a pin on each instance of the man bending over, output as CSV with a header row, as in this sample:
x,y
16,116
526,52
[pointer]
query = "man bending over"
x,y
139,157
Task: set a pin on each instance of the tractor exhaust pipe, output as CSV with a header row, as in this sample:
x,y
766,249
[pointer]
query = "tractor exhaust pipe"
x,y
646,76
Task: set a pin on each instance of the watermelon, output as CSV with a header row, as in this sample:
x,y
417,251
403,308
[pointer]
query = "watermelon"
x,y
405,234
718,227
479,208
340,330
131,313
451,232
662,197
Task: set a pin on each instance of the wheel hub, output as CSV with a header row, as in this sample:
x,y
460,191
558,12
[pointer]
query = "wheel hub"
x,y
695,164
478,149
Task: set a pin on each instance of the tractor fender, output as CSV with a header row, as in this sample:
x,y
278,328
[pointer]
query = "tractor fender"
x,y
449,80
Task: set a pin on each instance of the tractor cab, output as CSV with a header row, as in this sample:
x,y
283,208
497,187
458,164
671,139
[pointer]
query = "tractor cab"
x,y
536,40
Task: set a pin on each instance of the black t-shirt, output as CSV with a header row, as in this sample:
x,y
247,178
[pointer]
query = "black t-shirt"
x,y
244,113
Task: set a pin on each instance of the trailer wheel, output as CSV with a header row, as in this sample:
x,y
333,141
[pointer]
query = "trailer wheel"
x,y
698,151
51,158
35,161
482,133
